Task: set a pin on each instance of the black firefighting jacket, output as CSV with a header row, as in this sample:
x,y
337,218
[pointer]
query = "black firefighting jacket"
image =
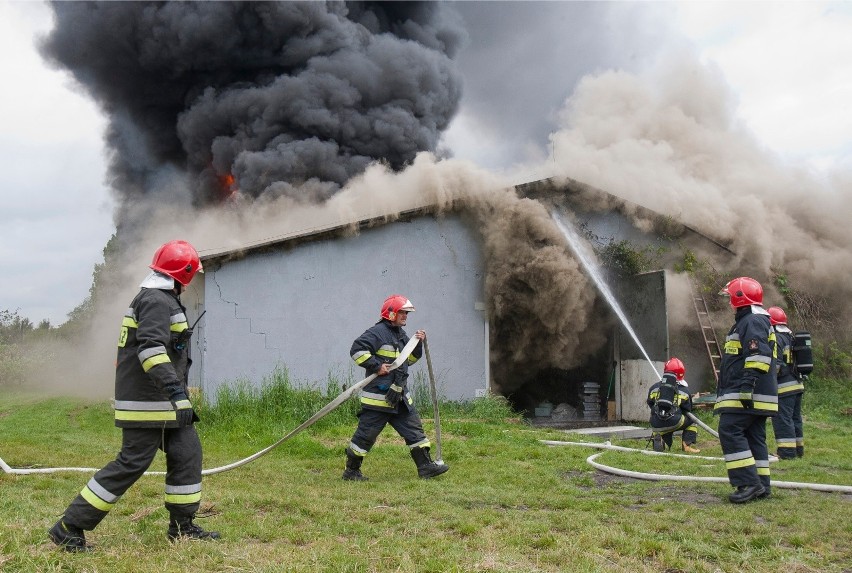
x,y
381,344
151,367
748,365
788,384
682,403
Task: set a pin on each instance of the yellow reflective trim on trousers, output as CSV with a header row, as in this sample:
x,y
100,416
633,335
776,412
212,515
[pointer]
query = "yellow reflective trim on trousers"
x,y
763,471
732,465
183,498
737,404
94,500
154,360
373,402
762,366
142,416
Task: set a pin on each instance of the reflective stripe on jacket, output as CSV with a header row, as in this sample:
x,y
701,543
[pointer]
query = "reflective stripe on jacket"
x,y
748,365
149,369
382,344
788,384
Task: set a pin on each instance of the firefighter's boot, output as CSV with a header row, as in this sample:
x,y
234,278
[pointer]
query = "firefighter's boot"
x,y
426,468
659,446
800,451
353,467
68,537
184,528
746,493
688,448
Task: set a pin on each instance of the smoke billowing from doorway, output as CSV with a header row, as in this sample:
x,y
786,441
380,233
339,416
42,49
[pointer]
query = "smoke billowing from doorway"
x,y
258,98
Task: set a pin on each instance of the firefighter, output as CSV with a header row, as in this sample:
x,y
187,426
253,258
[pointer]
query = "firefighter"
x,y
670,401
747,392
152,407
788,423
387,399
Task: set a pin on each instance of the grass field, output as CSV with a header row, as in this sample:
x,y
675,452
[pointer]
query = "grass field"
x,y
508,502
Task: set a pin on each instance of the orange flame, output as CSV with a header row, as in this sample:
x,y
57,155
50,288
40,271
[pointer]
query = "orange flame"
x,y
228,185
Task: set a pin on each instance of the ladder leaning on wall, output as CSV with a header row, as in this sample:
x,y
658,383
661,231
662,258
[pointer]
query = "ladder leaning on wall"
x,y
711,343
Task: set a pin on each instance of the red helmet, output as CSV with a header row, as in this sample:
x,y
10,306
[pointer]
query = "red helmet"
x,y
393,304
676,367
744,291
777,315
178,259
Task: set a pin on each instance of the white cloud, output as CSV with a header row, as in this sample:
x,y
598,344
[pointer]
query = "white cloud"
x,y
57,213
790,63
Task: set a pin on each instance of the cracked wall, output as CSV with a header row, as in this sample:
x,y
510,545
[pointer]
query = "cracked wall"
x,y
302,307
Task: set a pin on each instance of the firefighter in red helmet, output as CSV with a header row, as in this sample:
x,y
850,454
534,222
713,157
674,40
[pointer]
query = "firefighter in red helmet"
x,y
152,407
747,392
387,399
787,425
670,401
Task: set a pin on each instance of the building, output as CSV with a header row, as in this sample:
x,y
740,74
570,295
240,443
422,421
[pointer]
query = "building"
x,y
298,300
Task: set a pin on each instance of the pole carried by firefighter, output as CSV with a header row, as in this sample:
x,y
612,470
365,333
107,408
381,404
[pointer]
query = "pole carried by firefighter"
x,y
438,458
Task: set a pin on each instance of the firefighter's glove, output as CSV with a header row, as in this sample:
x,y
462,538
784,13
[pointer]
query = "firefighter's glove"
x,y
394,394
183,410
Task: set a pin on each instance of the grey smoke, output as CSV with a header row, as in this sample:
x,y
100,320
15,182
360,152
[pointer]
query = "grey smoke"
x,y
273,94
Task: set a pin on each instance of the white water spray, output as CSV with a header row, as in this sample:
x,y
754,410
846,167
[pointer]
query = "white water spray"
x,y
587,259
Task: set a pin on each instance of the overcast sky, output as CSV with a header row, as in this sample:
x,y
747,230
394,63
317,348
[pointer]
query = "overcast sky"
x,y
790,65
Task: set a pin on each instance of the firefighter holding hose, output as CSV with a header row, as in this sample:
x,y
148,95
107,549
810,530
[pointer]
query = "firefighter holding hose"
x,y
151,407
387,399
670,402
747,393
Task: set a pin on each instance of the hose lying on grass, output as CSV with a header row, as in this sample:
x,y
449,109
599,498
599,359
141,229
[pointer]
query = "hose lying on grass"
x,y
668,477
345,395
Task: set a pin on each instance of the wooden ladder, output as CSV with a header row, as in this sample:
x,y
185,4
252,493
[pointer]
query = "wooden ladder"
x,y
711,343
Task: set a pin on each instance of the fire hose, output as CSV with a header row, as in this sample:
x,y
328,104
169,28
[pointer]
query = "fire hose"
x,y
669,477
342,397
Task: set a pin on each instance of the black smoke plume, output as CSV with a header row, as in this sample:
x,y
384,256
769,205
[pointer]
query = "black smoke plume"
x,y
264,98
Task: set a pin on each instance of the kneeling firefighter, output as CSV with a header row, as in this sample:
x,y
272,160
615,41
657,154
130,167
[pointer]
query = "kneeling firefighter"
x,y
386,399
669,400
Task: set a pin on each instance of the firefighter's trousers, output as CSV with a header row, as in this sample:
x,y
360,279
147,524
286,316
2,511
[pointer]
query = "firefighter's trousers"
x,y
689,432
787,425
405,421
743,440
138,448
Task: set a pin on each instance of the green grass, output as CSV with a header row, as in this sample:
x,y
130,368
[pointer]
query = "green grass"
x,y
508,503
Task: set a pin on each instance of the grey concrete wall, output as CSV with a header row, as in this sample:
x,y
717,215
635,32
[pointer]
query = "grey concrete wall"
x,y
643,299
635,379
301,308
